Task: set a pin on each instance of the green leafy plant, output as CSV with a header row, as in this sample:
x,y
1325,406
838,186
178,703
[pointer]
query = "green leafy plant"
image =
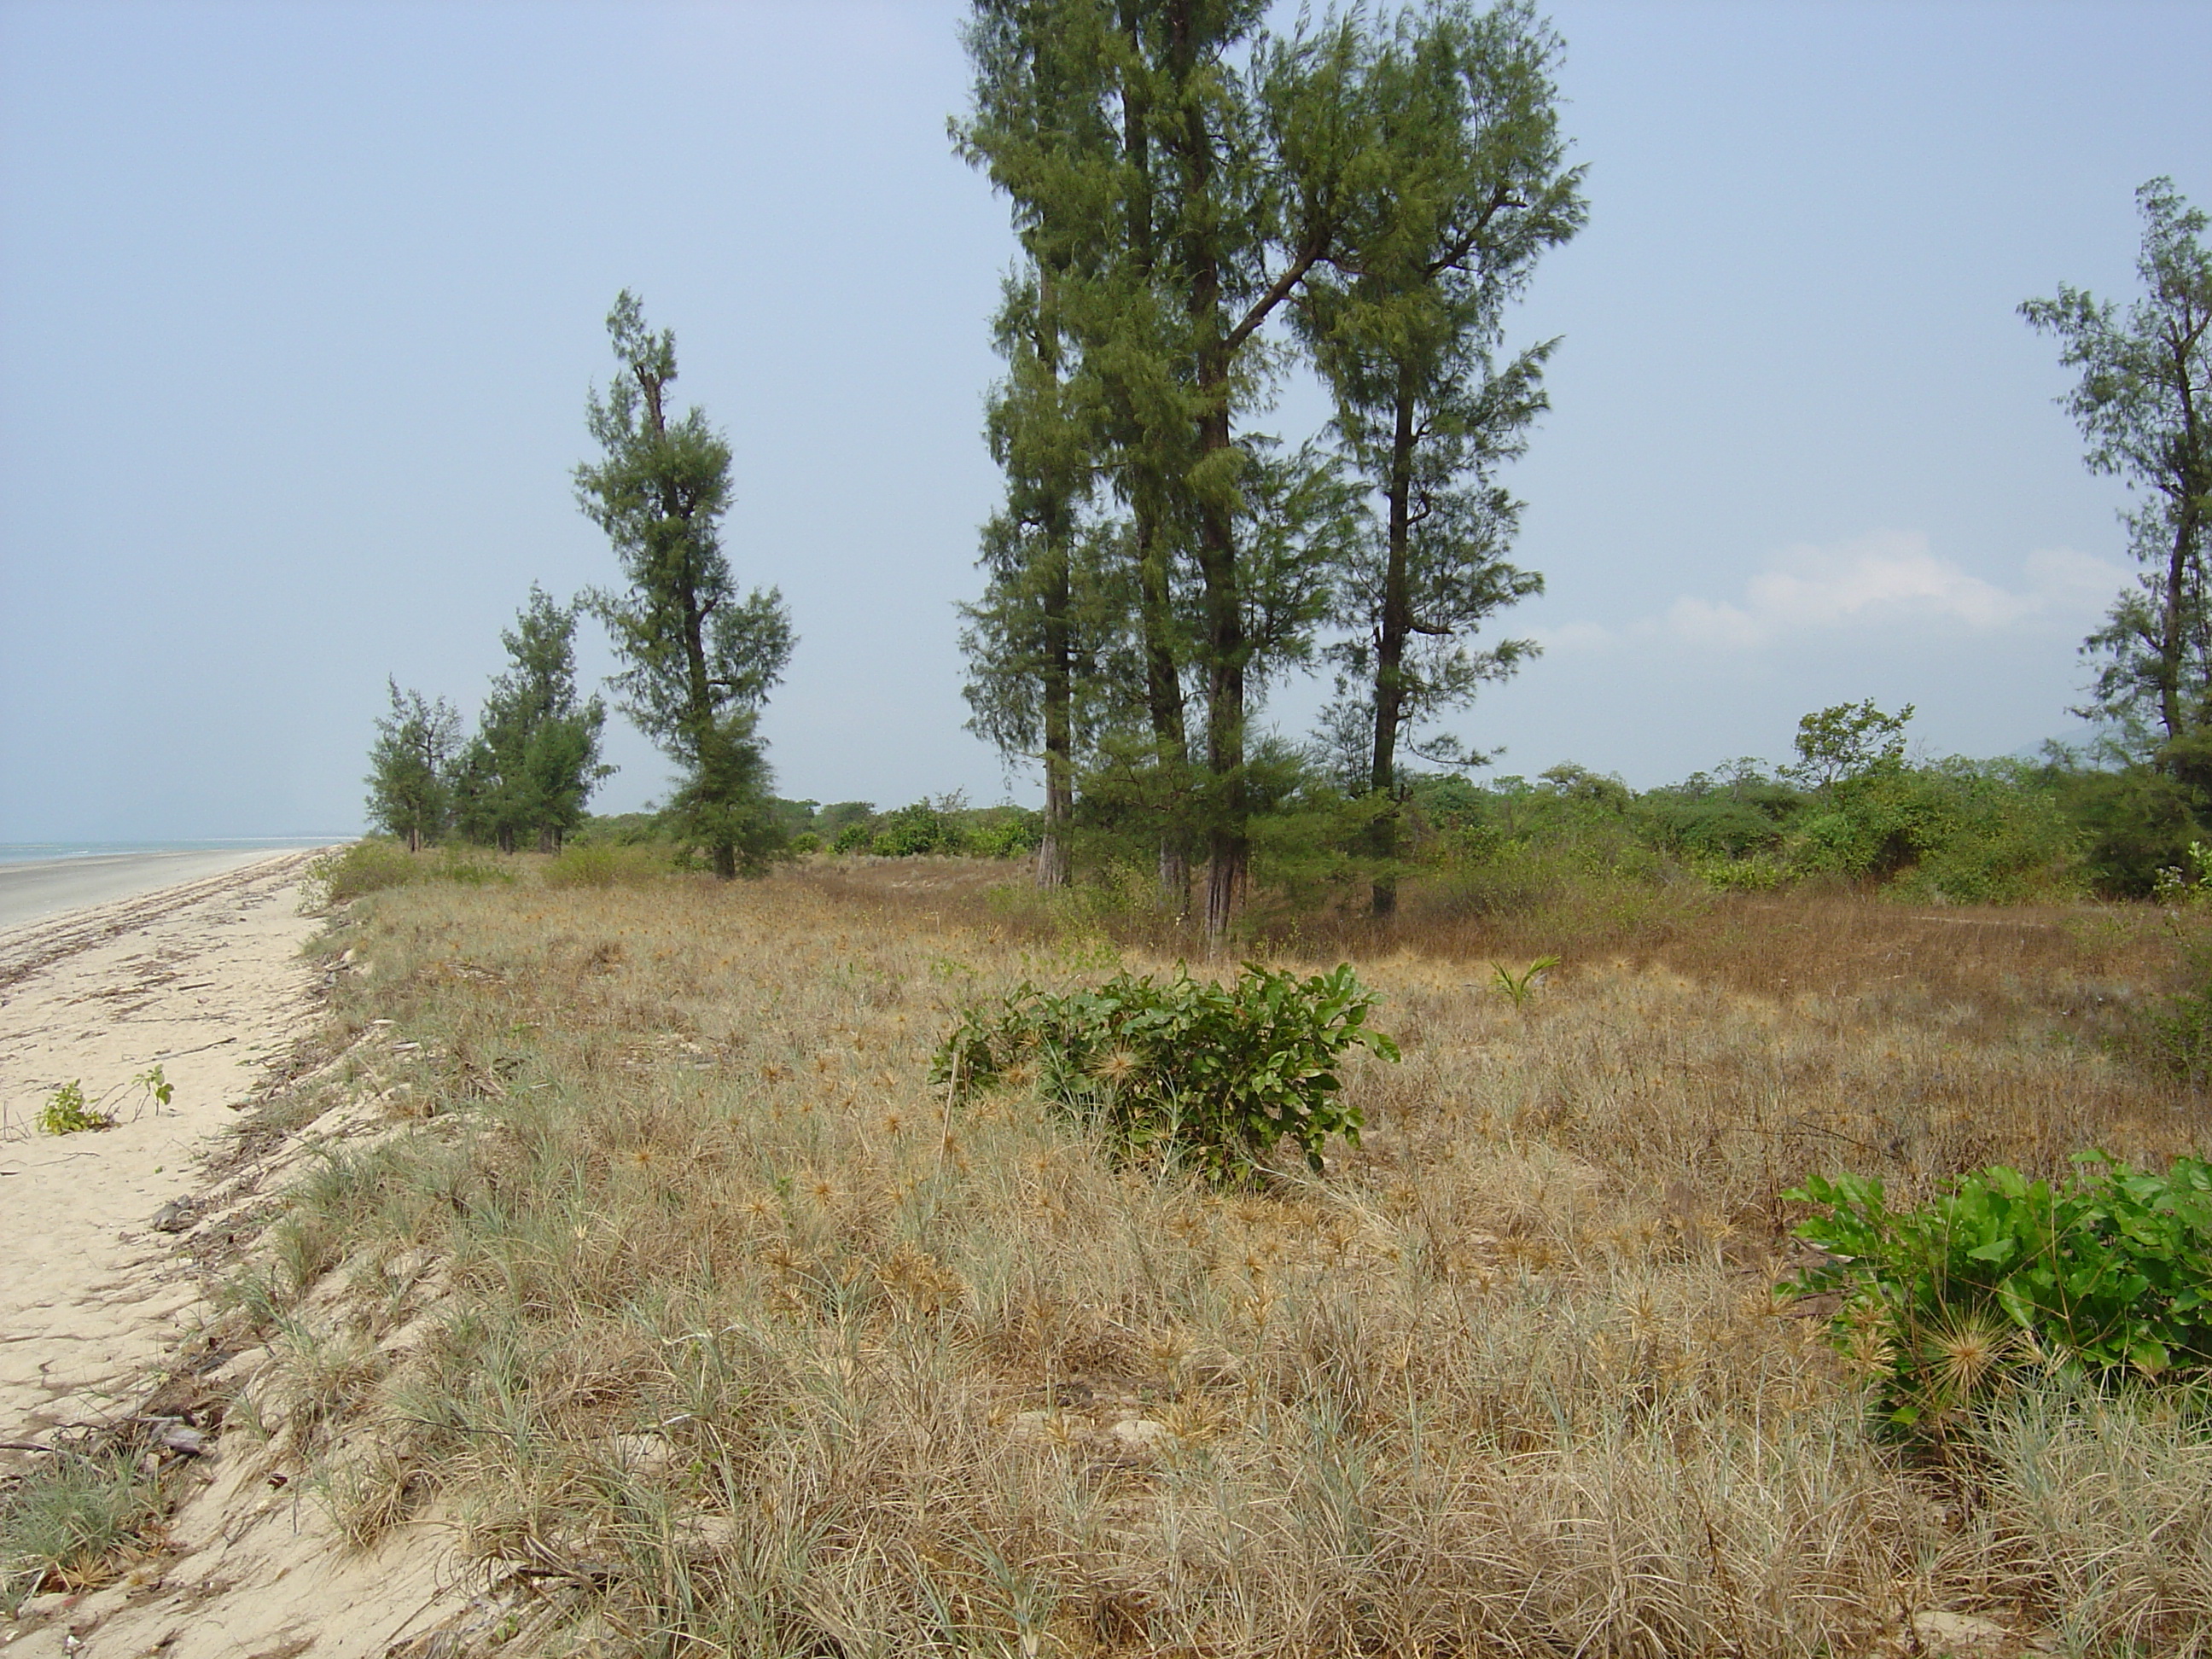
x,y
1520,986
158,1088
1183,1067
68,1113
2109,1272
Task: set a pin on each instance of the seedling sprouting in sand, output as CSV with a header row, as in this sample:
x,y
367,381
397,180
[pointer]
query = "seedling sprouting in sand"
x,y
66,1113
1522,986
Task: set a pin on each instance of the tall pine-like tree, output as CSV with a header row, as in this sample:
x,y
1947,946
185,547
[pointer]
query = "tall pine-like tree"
x,y
411,787
1463,185
1177,182
701,659
2144,403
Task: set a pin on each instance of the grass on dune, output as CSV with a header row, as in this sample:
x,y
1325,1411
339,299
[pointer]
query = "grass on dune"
x,y
675,1285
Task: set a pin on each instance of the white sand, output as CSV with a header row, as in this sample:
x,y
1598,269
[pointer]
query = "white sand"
x,y
205,979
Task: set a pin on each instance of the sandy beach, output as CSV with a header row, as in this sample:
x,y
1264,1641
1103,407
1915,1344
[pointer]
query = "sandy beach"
x,y
202,979
39,888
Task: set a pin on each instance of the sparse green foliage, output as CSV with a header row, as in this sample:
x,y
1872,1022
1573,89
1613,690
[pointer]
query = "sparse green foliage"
x,y
946,825
1518,987
526,775
1848,741
1463,187
67,1113
1184,1068
366,867
2144,405
2111,1271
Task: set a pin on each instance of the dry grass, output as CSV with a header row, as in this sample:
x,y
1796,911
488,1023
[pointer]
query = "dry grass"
x,y
685,1293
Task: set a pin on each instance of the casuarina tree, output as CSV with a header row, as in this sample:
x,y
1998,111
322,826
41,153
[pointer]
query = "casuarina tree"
x,y
1461,186
2144,404
410,792
535,759
700,660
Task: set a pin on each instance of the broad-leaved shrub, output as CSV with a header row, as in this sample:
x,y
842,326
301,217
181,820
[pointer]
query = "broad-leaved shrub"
x,y
2109,1271
1181,1068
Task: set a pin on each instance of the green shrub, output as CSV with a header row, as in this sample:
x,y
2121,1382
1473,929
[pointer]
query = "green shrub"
x,y
2109,1271
1003,832
468,867
606,864
1755,873
2174,1032
911,831
1185,1069
366,867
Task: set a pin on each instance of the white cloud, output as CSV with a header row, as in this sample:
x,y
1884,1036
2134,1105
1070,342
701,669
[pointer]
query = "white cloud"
x,y
1573,637
1887,579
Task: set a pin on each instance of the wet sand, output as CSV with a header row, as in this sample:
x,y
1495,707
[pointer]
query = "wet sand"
x,y
48,887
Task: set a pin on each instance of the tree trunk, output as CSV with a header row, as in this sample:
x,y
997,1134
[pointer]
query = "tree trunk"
x,y
726,862
1397,625
1058,676
2171,626
1164,704
1228,849
1164,701
1052,861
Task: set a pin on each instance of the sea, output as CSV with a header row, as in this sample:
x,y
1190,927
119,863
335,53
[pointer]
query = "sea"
x,y
45,852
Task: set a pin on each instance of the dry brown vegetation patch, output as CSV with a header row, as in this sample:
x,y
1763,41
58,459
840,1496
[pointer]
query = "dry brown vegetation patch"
x,y
744,1341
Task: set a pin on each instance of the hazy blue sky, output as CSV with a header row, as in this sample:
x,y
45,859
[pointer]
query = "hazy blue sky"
x,y
299,305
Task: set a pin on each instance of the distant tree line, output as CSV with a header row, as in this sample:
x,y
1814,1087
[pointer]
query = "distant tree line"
x,y
524,777
698,661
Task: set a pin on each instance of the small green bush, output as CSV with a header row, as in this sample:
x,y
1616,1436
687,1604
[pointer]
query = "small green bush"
x,y
607,864
467,867
1185,1069
366,867
2109,1271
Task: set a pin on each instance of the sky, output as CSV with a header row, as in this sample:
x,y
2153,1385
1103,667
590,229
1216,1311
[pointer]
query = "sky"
x,y
299,306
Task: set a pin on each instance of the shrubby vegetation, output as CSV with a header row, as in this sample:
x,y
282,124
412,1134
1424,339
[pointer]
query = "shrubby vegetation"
x,y
1180,1073
946,825
1947,1304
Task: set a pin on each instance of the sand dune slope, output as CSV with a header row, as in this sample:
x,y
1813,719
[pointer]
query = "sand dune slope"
x,y
97,1303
